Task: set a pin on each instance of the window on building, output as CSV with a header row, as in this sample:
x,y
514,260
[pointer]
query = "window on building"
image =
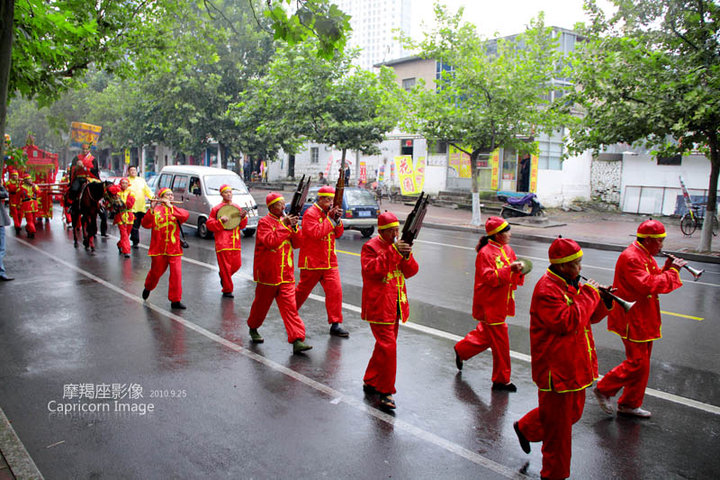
x,y
437,147
672,160
551,151
406,147
408,83
314,155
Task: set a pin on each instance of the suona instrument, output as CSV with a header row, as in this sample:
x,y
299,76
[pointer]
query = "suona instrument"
x,y
693,271
623,303
339,191
160,200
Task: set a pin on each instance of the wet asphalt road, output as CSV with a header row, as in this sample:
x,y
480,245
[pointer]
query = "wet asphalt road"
x,y
224,408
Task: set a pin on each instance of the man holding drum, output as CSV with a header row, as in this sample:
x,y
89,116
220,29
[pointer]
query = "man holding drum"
x,y
226,221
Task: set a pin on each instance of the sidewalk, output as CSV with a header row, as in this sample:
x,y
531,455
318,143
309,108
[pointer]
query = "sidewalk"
x,y
602,230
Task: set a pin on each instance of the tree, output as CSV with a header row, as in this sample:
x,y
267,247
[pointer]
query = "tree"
x,y
46,46
327,101
491,93
650,75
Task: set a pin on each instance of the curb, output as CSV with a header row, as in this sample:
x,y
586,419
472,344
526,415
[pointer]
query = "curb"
x,y
695,257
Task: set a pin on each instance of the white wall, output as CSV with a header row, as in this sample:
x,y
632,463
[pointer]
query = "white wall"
x,y
660,183
561,187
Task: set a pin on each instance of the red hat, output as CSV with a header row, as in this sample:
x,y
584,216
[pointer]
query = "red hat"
x,y
25,175
224,187
13,172
495,225
126,179
387,220
563,250
652,229
113,189
163,191
273,197
326,191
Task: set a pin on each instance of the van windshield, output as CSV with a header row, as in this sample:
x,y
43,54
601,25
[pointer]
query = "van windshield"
x,y
214,182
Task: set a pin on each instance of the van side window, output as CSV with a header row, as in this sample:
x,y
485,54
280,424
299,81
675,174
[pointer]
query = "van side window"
x,y
195,187
165,181
179,185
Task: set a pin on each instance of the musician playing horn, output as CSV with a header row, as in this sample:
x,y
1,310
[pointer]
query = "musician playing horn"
x,y
227,241
638,278
124,218
564,362
318,262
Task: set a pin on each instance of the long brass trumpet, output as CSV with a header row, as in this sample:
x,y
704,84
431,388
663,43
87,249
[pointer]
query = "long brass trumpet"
x,y
623,303
693,271
160,200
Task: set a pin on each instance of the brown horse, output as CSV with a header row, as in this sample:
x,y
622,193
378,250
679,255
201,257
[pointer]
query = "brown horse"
x,y
84,211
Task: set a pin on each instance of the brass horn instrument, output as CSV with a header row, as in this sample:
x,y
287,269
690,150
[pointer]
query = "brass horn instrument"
x,y
623,303
693,271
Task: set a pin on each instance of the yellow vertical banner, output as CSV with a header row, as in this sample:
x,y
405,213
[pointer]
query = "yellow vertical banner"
x,y
419,174
495,166
127,156
533,173
460,162
405,174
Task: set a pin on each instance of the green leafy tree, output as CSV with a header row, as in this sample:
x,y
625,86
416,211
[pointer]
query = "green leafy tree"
x,y
492,93
46,46
650,75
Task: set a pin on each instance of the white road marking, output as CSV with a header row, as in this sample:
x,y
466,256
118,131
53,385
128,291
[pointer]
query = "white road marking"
x,y
327,390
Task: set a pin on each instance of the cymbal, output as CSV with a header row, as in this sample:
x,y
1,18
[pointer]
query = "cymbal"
x,y
527,265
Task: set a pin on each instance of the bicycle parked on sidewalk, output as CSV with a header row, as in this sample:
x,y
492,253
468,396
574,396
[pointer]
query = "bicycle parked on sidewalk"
x,y
694,219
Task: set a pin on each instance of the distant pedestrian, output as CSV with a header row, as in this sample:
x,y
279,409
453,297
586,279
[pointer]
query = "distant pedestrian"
x,y
347,175
274,274
140,190
563,361
638,279
4,222
386,263
497,276
321,179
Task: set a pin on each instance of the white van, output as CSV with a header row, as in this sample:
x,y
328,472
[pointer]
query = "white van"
x,y
198,188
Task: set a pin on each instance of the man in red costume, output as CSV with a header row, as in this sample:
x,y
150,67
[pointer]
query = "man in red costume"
x,y
82,168
385,266
28,203
321,225
638,279
13,187
563,362
497,275
274,273
124,218
165,249
227,242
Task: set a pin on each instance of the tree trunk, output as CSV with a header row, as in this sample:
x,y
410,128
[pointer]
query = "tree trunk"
x,y
7,11
711,210
342,162
476,214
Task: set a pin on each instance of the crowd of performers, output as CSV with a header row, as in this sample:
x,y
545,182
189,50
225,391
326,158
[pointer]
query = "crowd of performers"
x,y
563,309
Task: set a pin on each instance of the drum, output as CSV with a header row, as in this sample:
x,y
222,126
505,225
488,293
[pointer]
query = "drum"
x,y
234,216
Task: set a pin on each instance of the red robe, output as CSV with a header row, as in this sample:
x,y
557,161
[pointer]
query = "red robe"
x,y
493,301
124,220
637,278
227,246
564,364
29,205
13,188
384,301
165,249
318,261
274,274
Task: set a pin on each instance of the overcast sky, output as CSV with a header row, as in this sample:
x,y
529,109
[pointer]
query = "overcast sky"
x,y
505,17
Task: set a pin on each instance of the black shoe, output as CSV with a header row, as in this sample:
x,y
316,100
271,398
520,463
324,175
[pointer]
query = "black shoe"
x,y
369,389
31,235
228,295
337,330
386,402
135,245
504,387
5,278
18,230
184,244
524,443
178,306
145,294
119,251
458,360
127,255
